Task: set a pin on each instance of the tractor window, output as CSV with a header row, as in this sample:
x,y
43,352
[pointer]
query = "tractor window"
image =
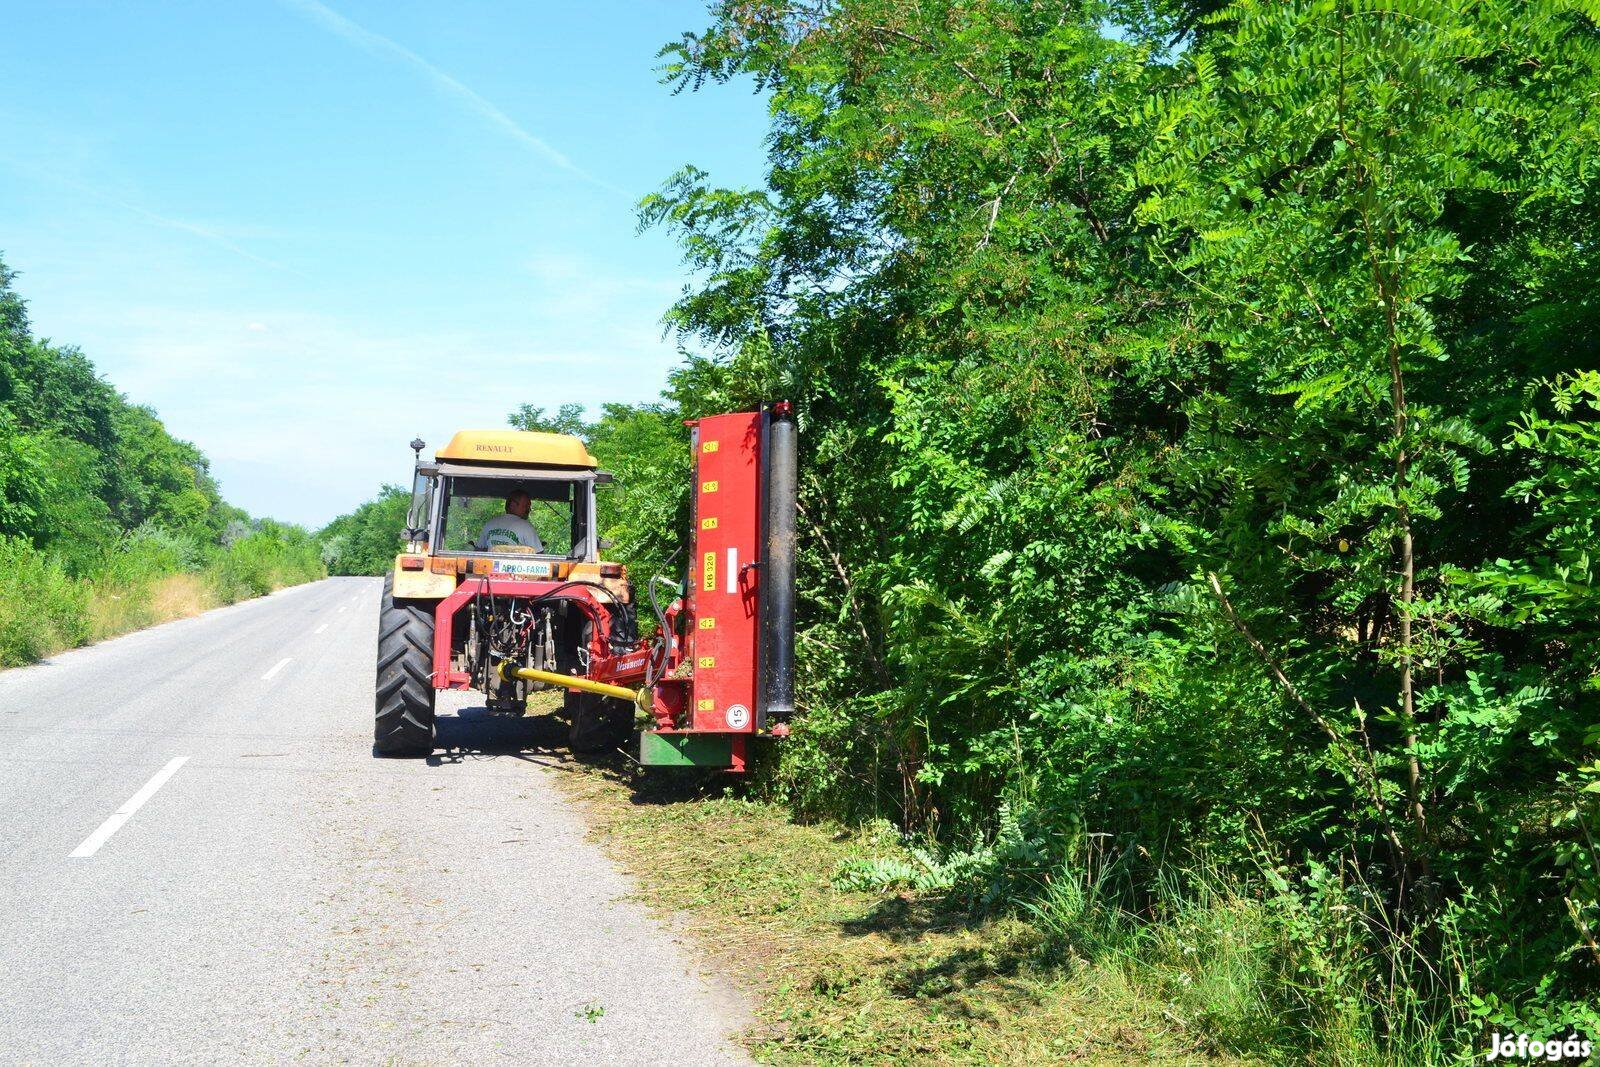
x,y
559,512
421,502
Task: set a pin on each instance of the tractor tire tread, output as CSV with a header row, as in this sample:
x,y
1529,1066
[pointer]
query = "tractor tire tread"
x,y
403,714
598,723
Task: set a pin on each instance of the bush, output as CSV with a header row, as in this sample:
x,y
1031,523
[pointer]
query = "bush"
x,y
151,576
366,540
42,609
260,562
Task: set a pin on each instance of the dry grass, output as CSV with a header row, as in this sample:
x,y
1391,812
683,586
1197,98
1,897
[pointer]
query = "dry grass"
x,y
180,596
854,977
118,610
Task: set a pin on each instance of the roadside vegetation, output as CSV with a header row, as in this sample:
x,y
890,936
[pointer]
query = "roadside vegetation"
x,y
1200,471
107,522
367,539
847,973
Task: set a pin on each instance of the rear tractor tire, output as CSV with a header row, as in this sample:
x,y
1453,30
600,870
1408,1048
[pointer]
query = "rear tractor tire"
x,y
599,724
404,703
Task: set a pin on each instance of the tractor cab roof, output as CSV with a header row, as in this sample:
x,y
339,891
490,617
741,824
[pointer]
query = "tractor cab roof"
x,y
518,448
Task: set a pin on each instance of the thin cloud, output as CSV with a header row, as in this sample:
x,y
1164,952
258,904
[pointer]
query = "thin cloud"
x,y
199,231
376,43
205,233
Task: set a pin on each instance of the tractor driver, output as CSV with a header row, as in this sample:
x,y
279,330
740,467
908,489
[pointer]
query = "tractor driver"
x,y
512,528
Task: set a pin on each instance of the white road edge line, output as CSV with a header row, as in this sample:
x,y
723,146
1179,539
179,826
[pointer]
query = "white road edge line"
x,y
276,667
319,629
92,843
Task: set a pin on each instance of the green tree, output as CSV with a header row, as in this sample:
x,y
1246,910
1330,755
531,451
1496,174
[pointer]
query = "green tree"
x,y
100,446
1153,363
98,503
567,419
367,539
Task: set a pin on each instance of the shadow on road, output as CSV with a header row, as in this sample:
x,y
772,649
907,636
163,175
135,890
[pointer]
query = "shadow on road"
x,y
476,733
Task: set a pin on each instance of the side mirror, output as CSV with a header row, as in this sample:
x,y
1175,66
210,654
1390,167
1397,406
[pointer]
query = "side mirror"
x,y
604,477
605,543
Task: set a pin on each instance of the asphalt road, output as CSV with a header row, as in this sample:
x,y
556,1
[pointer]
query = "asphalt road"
x,y
277,894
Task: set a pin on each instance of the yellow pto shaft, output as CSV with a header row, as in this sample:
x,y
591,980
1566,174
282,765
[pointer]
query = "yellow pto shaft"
x,y
640,699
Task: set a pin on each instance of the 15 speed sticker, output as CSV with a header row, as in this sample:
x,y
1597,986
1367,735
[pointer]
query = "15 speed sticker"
x,y
738,717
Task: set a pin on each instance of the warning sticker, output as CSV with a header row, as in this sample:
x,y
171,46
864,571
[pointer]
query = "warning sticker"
x,y
708,624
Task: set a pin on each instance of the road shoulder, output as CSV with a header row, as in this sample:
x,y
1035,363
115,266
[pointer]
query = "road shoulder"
x,y
857,977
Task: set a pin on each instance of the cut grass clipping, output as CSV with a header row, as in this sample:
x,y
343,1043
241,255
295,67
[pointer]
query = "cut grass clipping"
x,y
852,976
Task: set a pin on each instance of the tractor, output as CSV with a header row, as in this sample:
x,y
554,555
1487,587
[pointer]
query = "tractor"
x,y
465,609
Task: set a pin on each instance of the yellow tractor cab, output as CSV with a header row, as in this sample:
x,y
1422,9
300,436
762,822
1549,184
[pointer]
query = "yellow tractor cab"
x,y
470,486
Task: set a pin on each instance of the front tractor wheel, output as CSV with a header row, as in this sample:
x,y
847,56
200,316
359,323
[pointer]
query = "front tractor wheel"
x,y
404,703
599,723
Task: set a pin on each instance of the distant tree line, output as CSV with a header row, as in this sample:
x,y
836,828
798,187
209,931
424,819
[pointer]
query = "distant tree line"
x,y
99,504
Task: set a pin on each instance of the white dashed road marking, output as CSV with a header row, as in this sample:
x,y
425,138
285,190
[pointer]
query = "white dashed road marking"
x,y
92,843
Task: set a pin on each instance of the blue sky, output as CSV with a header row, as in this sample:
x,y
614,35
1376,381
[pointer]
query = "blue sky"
x,y
306,232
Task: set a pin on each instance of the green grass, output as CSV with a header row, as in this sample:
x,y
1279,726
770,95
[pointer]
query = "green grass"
x,y
846,975
42,609
45,610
